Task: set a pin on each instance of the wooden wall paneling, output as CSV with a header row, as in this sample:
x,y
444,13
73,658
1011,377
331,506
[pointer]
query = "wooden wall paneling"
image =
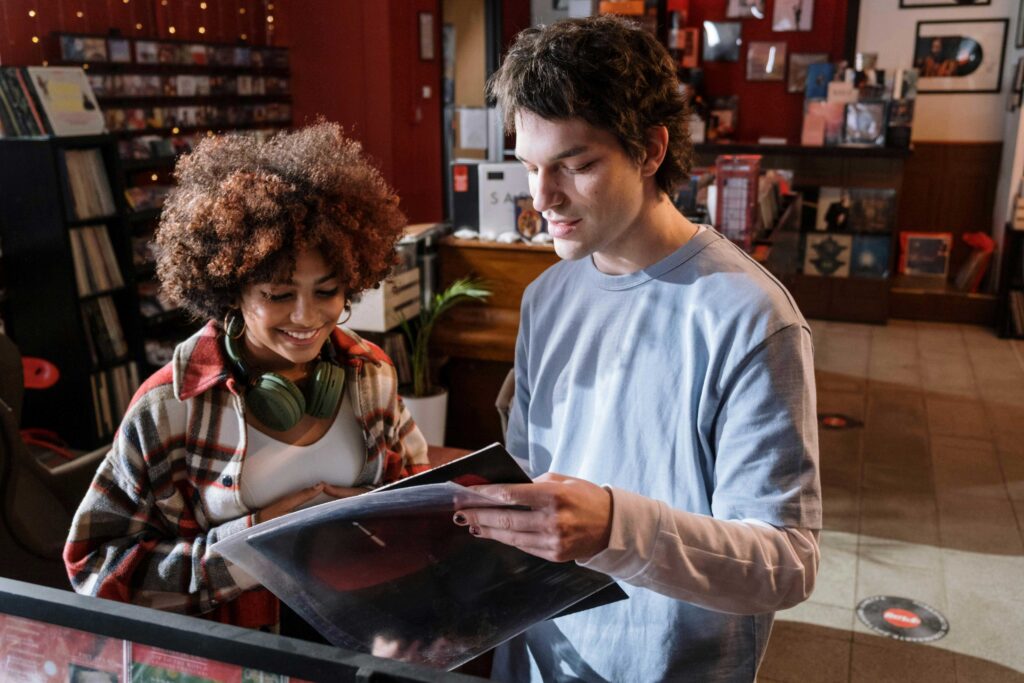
x,y
950,187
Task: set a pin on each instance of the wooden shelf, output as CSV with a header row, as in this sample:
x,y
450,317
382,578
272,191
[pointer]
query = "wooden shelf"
x,y
802,150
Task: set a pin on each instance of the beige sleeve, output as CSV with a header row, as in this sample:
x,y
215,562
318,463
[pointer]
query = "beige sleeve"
x,y
736,566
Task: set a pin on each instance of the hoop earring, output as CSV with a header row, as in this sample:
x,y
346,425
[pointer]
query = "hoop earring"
x,y
231,324
349,309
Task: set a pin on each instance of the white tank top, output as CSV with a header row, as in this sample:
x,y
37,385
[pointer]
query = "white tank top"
x,y
273,469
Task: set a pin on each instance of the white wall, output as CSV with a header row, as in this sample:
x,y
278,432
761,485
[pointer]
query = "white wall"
x,y
889,31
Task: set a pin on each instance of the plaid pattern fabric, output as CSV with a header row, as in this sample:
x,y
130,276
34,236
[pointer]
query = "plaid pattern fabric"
x,y
168,489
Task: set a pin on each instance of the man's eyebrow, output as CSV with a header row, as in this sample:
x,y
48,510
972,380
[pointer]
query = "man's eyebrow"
x,y
571,152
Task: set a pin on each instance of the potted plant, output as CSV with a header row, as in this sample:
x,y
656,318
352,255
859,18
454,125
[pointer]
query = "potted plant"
x,y
429,403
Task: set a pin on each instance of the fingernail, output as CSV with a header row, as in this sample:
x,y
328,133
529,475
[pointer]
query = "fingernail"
x,y
460,519
475,530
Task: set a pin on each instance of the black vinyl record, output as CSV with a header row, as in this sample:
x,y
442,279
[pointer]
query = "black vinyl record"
x,y
902,619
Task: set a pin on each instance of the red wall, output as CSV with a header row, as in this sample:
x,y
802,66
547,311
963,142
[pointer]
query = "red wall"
x,y
765,106
221,20
357,62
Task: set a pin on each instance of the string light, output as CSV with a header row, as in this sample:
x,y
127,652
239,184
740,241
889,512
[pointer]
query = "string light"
x,y
35,39
171,29
202,29
241,10
85,67
139,26
31,12
154,177
244,37
270,18
202,5
175,130
126,1
46,62
79,14
270,7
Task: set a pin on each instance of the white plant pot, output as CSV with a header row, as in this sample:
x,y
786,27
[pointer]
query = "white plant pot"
x,y
429,412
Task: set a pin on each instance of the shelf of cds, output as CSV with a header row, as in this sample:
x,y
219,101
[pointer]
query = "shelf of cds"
x,y
73,301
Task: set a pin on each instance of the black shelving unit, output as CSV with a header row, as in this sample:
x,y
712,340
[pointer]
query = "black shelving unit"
x,y
44,308
1011,282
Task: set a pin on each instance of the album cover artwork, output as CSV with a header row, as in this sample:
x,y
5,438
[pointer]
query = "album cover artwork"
x,y
865,124
819,75
827,255
389,572
870,256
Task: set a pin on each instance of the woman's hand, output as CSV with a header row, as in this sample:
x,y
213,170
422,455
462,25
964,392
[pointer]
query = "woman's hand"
x,y
294,501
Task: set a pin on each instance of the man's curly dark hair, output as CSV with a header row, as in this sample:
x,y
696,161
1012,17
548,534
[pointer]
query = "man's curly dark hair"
x,y
243,209
611,73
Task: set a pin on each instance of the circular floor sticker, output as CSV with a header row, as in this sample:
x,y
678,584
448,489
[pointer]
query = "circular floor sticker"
x,y
838,421
902,619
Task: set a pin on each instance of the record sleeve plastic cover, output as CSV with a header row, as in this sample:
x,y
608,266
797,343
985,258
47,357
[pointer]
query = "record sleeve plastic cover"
x,y
390,574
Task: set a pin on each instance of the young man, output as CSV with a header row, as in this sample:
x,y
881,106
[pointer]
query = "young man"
x,y
664,384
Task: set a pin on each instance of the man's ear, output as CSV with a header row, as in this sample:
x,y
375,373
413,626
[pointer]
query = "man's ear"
x,y
655,149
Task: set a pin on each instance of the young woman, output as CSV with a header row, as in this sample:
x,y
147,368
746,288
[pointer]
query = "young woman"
x,y
271,406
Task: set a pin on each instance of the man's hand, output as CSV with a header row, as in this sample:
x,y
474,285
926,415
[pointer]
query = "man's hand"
x,y
569,519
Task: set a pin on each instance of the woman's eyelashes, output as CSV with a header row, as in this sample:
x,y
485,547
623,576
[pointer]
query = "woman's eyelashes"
x,y
287,296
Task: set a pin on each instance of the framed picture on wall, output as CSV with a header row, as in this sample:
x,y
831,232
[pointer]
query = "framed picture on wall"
x,y
914,4
1019,36
745,9
960,56
798,63
766,61
793,15
426,35
721,41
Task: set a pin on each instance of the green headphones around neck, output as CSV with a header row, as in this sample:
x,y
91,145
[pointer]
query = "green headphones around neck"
x,y
274,399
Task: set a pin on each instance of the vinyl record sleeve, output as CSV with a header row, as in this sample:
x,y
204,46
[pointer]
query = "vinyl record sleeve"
x,y
389,573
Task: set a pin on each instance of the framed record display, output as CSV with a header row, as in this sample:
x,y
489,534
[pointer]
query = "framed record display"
x,y
961,56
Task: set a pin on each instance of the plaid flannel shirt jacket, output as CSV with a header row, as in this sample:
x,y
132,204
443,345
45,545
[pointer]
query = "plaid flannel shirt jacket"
x,y
169,487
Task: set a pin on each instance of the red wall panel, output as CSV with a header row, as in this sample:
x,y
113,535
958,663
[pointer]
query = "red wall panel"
x,y
357,63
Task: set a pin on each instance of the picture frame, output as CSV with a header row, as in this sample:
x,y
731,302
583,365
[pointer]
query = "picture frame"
x,y
426,36
721,41
1018,40
925,254
745,9
796,77
916,4
793,15
766,61
960,56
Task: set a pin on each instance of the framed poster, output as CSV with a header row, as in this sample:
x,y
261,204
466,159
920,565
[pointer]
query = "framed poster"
x,y
925,253
766,61
745,9
1018,41
426,22
961,56
721,41
793,15
914,4
796,80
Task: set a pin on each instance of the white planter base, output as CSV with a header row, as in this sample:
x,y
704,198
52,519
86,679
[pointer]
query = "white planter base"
x,y
429,412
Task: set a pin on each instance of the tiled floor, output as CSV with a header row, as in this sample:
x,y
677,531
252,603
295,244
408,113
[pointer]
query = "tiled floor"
x,y
924,501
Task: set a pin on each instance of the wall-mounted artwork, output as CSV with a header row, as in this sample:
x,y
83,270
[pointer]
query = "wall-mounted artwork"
x,y
721,41
745,9
798,63
766,61
914,4
961,56
793,15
